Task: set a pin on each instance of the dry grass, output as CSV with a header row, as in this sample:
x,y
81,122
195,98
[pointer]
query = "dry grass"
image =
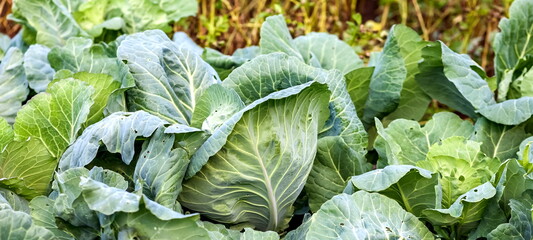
x,y
6,26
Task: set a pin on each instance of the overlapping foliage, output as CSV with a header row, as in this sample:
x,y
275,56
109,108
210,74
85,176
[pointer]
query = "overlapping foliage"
x,y
138,136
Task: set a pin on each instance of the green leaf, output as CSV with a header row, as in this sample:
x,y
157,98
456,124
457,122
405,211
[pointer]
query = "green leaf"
x,y
269,73
71,5
261,156
334,164
362,216
141,15
150,223
91,15
412,187
14,87
50,19
450,78
42,213
466,212
56,116
72,208
392,88
405,142
250,234
278,71
81,55
512,181
215,105
13,201
225,64
516,82
104,86
27,168
107,200
160,169
275,37
455,80
169,79
219,231
329,51
413,100
498,140
357,84
18,225
525,154
6,134
117,132
513,42
38,70
182,40
520,225
5,41
461,166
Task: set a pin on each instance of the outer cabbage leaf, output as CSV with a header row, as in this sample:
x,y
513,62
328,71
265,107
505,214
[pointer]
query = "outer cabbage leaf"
x,y
329,51
106,199
81,55
412,187
140,15
18,225
160,169
5,41
51,20
10,200
357,84
27,168
513,42
225,64
55,117
42,213
316,49
38,70
511,182
498,140
117,132
13,84
70,205
104,87
216,104
361,216
517,82
457,81
6,134
182,40
169,79
392,89
520,225
91,16
275,37
154,221
262,156
335,163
